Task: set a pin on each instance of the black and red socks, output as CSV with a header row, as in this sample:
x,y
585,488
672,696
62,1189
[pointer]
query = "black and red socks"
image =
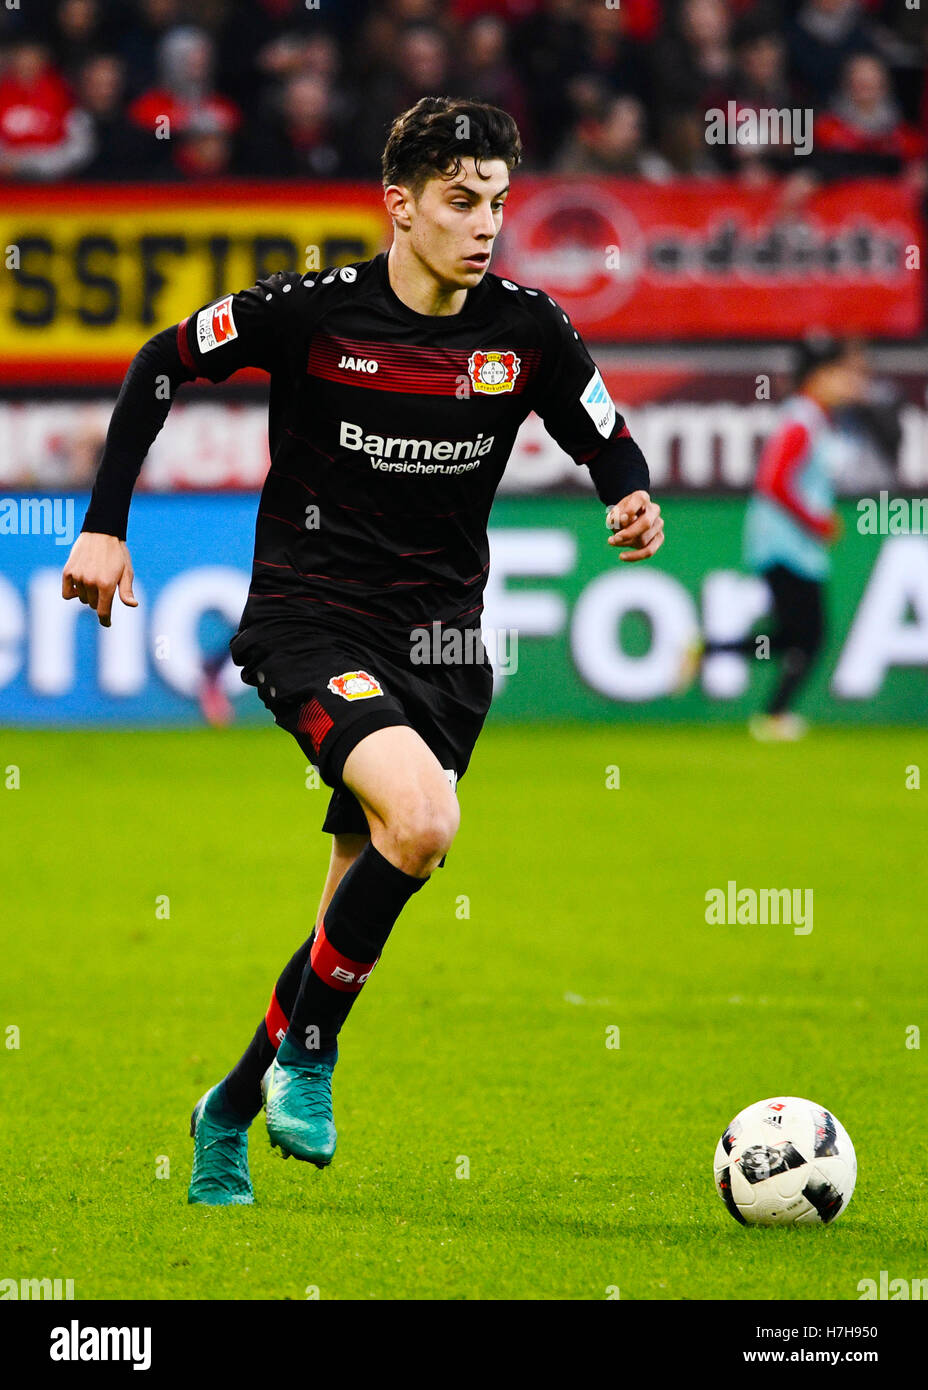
x,y
346,946
321,981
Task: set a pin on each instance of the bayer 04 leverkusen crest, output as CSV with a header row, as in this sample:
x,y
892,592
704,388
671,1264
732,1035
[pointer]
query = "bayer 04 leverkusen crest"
x,y
355,685
493,372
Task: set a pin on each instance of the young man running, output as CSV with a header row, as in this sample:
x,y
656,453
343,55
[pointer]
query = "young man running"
x,y
397,389
791,521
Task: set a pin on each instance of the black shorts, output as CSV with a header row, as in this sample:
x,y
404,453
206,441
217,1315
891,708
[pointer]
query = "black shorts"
x,y
330,689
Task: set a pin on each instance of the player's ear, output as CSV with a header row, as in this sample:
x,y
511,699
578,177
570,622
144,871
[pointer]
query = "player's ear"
x,y
395,200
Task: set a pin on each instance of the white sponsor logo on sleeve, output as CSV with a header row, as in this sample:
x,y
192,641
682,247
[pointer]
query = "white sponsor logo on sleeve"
x,y
215,325
597,403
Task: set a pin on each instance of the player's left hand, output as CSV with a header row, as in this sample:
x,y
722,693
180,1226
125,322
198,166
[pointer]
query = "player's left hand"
x,y
636,523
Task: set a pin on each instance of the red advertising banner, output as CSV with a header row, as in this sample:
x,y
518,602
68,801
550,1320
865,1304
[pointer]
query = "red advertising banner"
x,y
690,260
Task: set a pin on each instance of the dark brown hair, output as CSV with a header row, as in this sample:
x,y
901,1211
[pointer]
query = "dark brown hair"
x,y
433,137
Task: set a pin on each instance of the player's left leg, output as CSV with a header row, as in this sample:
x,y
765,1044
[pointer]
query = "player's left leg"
x,y
413,816
700,649
220,1120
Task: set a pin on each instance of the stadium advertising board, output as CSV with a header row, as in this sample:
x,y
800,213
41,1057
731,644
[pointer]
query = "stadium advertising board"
x,y
98,270
699,429
695,259
93,272
575,634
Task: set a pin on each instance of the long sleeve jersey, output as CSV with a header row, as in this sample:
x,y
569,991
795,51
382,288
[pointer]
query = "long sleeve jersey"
x,y
389,431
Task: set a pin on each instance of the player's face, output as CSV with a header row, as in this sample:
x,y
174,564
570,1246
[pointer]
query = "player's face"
x,y
455,221
845,382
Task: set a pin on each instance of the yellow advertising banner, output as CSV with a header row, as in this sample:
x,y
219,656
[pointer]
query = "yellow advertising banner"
x,y
91,273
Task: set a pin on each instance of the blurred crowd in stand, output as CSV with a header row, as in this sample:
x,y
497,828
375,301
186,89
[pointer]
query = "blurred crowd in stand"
x,y
181,90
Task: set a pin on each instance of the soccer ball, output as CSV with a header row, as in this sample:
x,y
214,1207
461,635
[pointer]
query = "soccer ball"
x,y
785,1162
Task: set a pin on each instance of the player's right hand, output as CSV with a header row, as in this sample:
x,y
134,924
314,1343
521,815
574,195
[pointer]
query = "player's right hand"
x,y
97,566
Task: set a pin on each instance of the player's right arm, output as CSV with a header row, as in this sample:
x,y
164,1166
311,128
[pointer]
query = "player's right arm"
x,y
98,565
782,460
240,330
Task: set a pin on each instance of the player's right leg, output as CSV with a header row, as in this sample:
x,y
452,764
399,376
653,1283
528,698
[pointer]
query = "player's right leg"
x,y
413,817
220,1120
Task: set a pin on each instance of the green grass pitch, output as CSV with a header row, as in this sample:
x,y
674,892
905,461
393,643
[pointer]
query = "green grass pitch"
x,y
480,1045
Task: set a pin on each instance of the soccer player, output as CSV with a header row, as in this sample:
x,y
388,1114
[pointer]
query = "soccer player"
x,y
397,388
791,521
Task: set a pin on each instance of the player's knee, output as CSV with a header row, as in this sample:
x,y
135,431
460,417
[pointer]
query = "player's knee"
x,y
422,832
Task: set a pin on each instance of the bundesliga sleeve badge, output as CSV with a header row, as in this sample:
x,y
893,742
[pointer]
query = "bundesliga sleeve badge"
x,y
354,685
493,372
215,325
597,403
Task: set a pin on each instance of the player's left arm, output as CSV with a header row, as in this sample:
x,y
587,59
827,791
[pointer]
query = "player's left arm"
x,y
636,522
579,414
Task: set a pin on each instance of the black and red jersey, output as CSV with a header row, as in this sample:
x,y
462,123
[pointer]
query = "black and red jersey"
x,y
389,431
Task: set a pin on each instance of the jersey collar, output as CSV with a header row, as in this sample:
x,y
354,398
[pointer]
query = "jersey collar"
x,y
403,311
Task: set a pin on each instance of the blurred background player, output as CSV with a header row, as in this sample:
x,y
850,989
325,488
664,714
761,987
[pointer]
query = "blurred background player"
x,y
791,521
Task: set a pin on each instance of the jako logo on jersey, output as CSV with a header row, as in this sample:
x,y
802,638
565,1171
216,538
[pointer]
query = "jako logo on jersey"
x,y
597,403
492,372
359,364
354,685
353,437
215,325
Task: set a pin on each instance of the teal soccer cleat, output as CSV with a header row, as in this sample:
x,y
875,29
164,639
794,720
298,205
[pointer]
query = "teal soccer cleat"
x,y
298,1099
220,1175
